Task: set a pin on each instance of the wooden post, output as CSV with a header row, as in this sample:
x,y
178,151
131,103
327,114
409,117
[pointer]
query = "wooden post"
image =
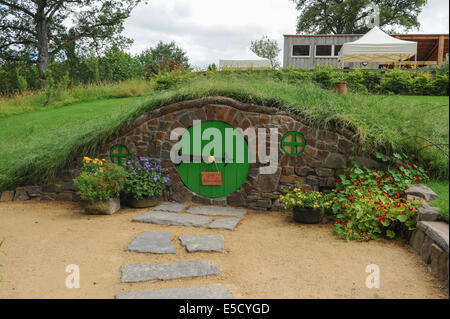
x,y
440,58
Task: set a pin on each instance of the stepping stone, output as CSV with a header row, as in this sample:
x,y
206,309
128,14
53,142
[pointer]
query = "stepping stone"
x,y
150,242
173,219
200,292
170,207
217,211
225,223
165,271
200,242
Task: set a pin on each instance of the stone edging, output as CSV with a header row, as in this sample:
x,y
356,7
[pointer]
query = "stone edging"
x,y
431,237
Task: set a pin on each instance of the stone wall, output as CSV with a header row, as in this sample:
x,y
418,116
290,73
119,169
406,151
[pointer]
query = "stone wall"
x,y
431,237
61,188
149,135
430,240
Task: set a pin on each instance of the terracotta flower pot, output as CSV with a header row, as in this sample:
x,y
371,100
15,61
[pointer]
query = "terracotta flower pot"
x,y
340,88
144,203
308,215
107,207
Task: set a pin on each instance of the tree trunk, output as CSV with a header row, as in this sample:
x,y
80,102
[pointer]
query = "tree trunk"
x,y
43,60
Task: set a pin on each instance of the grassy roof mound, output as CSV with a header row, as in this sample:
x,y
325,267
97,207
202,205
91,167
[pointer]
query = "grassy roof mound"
x,y
38,144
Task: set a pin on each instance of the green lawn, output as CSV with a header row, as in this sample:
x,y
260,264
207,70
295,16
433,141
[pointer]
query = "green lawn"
x,y
39,143
442,189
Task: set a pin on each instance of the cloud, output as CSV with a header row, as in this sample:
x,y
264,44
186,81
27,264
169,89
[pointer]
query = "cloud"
x,y
209,30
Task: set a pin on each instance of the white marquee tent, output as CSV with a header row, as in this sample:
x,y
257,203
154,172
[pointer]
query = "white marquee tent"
x,y
246,61
377,46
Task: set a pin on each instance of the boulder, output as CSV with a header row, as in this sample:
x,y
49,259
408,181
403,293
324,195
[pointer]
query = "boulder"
x,y
428,213
420,191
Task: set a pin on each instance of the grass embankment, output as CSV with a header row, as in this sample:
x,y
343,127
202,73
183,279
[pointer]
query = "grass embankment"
x,y
38,100
35,145
442,190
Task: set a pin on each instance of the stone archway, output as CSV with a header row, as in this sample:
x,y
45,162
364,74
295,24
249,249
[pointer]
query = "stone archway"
x,y
316,168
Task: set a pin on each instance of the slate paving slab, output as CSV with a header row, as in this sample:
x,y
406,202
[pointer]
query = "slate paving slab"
x,y
166,271
224,223
217,211
173,219
151,242
170,207
199,292
201,242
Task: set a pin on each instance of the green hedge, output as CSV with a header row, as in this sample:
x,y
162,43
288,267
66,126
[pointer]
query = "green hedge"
x,y
397,81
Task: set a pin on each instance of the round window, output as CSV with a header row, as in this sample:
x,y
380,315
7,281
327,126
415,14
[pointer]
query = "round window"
x,y
119,154
293,143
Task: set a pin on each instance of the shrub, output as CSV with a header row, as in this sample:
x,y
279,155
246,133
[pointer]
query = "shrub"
x,y
370,203
22,84
421,83
145,178
356,81
165,81
100,180
441,84
396,81
325,76
371,81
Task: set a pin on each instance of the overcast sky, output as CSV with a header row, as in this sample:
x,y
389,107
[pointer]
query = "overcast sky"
x,y
209,30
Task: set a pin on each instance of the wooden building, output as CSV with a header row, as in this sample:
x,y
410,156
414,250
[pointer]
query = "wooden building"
x,y
306,51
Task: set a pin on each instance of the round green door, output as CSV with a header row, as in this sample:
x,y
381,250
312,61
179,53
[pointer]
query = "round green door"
x,y
229,149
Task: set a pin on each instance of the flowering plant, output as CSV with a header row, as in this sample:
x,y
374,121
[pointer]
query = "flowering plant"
x,y
145,178
298,198
369,203
100,180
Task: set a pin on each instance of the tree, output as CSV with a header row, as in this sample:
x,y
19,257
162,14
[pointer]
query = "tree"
x,y
165,57
351,16
36,30
267,49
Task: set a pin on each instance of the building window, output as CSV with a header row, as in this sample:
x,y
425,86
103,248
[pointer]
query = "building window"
x,y
324,50
337,48
300,50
